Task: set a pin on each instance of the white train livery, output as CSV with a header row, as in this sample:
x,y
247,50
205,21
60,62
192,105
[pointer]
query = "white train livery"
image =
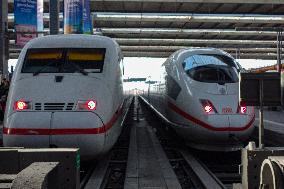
x,y
199,94
66,91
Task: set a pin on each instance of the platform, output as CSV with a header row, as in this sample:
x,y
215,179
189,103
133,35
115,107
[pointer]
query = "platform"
x,y
147,165
273,121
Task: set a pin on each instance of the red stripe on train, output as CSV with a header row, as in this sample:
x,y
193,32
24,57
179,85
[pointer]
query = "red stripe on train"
x,y
205,125
66,131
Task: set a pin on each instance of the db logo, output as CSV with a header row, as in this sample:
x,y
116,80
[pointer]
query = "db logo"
x,y
227,110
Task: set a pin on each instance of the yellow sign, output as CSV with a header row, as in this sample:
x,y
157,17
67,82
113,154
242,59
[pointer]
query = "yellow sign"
x,y
45,55
85,56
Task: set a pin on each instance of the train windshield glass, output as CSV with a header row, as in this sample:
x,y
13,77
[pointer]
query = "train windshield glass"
x,y
211,68
65,60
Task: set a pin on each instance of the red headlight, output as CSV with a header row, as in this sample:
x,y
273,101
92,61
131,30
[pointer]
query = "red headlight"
x,y
91,104
242,108
208,106
87,105
208,109
21,105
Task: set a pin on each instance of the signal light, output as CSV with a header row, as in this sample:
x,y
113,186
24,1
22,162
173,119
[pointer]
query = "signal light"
x,y
208,106
21,105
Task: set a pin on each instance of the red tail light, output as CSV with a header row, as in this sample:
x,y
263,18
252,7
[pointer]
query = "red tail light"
x,y
87,105
208,107
21,105
242,108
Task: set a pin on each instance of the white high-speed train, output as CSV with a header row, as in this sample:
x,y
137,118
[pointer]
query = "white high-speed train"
x,y
67,91
199,95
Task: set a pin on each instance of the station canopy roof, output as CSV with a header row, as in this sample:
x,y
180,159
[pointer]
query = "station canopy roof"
x,y
156,28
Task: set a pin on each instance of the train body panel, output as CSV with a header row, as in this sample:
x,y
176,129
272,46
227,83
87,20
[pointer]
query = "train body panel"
x,y
71,87
199,95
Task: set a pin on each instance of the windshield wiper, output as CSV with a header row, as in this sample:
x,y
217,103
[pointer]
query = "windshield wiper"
x,y
82,71
43,68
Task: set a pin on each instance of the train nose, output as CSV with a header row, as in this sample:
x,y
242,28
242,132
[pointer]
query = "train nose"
x,y
60,129
78,129
241,126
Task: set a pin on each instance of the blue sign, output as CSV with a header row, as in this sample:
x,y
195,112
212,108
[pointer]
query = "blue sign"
x,y
73,16
28,18
87,21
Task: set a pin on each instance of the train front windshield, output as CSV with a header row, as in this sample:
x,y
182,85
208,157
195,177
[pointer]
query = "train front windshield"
x,y
211,68
64,60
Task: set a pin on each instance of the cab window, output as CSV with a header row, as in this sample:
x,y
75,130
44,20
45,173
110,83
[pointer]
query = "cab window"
x,y
64,60
211,68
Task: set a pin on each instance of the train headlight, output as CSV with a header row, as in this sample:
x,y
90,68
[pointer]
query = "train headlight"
x,y
91,104
208,106
21,105
87,105
242,108
208,109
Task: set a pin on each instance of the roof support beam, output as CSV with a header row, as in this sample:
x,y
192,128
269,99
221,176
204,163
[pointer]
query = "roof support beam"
x,y
165,31
189,42
267,56
208,42
175,48
177,17
272,2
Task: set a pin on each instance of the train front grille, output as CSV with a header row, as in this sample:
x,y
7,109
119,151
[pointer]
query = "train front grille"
x,y
53,106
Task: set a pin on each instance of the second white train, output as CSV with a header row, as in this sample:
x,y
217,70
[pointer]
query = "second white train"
x,y
198,93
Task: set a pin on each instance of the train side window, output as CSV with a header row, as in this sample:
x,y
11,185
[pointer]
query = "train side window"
x,y
173,88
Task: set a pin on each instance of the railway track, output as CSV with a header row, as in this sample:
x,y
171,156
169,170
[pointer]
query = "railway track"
x,y
271,138
188,162
109,171
182,167
191,172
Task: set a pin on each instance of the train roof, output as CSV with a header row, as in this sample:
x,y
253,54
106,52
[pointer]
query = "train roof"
x,y
72,41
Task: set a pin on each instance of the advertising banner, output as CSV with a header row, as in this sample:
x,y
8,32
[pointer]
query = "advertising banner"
x,y
73,16
28,19
40,16
87,19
